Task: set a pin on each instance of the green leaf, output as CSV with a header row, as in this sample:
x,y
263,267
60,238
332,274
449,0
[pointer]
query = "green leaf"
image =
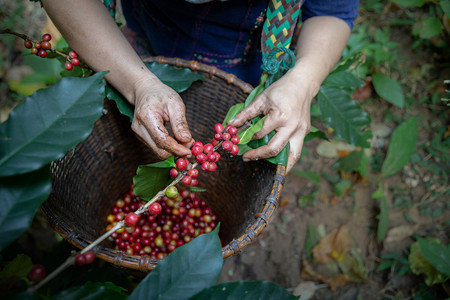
x,y
247,134
123,105
244,290
19,267
49,123
388,89
92,291
178,79
232,112
344,115
379,192
356,161
168,163
345,80
419,265
149,180
402,146
50,67
21,196
185,272
445,5
310,175
436,254
255,93
342,187
244,148
197,189
431,27
383,221
281,158
384,265
315,133
410,3
312,238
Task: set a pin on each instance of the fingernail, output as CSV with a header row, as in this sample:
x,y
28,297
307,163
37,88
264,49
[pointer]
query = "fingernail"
x,y
246,159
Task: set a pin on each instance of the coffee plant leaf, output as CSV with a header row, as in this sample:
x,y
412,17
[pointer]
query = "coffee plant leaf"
x,y
436,254
247,134
185,272
344,115
125,108
356,161
445,5
431,27
312,238
402,146
244,290
92,291
178,79
388,89
49,123
345,80
315,133
167,163
149,180
232,112
280,159
21,197
255,93
419,264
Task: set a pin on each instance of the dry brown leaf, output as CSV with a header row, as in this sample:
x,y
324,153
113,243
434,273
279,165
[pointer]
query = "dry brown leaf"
x,y
399,233
337,281
334,282
333,246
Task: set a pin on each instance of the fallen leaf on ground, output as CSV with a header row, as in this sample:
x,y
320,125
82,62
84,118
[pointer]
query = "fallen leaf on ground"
x,y
333,246
399,233
306,289
334,282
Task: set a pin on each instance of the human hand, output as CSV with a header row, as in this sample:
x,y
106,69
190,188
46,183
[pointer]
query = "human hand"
x,y
156,103
286,103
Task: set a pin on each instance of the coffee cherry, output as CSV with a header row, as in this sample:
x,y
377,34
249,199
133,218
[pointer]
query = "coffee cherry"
x,y
182,164
217,155
159,241
42,53
214,142
28,44
234,150
205,166
227,145
208,148
37,273
201,158
75,61
194,182
80,259
226,136
89,256
46,37
46,45
235,139
218,128
212,167
232,130
132,219
68,66
155,208
34,50
171,192
218,136
173,172
37,45
73,54
193,173
198,143
186,180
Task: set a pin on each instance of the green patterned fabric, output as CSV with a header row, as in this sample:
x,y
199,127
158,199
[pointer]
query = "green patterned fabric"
x,y
111,6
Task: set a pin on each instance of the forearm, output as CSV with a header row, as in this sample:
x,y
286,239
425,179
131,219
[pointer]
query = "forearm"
x,y
319,48
92,33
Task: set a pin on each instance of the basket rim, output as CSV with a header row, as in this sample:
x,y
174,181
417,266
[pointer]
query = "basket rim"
x,y
144,263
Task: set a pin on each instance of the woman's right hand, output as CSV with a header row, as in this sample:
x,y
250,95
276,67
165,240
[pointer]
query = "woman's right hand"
x,y
156,103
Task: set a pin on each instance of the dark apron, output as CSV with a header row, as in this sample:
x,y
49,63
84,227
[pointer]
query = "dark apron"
x,y
223,34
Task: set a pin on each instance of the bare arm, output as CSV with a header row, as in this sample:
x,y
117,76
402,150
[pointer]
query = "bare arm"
x,y
287,102
92,33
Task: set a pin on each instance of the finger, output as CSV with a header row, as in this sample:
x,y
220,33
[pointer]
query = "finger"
x,y
144,137
256,108
179,124
295,150
272,122
275,145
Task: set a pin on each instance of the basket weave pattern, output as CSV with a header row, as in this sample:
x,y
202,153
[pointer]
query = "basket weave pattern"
x,y
90,178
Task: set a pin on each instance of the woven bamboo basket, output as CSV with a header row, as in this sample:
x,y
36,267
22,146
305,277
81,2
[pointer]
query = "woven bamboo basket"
x,y
91,177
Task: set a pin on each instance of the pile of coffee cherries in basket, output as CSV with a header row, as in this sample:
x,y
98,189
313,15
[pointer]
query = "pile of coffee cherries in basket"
x,y
172,223
176,218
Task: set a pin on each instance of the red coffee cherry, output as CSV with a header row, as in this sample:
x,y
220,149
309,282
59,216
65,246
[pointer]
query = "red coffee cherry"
x,y
212,167
37,273
227,145
234,150
196,150
193,173
28,44
218,128
37,45
205,166
214,142
89,257
218,136
73,54
194,182
68,66
201,158
75,61
211,157
46,45
42,53
46,37
155,208
34,50
182,164
132,219
80,260
235,139
232,130
217,155
173,172
208,148
226,136
186,180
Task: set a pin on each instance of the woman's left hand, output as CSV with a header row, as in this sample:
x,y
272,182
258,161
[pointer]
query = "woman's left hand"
x,y
286,103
